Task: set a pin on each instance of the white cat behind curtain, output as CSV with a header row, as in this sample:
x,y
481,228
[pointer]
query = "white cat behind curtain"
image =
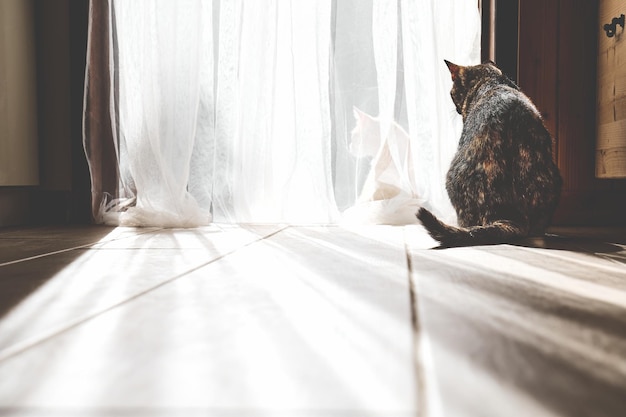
x,y
389,194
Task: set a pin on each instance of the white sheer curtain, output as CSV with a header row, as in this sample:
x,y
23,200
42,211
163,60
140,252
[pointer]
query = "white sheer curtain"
x,y
244,111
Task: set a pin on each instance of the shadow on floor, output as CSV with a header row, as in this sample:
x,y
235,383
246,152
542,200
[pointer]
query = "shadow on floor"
x,y
572,243
32,256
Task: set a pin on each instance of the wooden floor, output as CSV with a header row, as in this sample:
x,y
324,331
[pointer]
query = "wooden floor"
x,y
270,320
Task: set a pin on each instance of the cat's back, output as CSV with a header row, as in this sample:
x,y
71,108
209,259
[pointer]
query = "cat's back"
x,y
502,108
506,132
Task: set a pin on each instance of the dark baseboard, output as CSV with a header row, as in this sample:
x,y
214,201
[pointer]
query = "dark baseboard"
x,y
15,203
31,206
591,208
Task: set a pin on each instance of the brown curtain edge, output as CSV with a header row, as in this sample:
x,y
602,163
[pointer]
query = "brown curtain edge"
x,y
98,138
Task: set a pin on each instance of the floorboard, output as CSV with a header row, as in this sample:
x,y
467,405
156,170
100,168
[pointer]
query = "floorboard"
x,y
275,320
305,321
538,331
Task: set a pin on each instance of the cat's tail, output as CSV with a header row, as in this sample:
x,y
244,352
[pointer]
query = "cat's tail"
x,y
502,231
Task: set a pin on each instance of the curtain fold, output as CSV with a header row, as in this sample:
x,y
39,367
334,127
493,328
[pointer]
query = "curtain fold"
x,y
273,113
272,110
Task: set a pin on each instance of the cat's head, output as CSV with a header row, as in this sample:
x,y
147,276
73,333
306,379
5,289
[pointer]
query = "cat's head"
x,y
467,78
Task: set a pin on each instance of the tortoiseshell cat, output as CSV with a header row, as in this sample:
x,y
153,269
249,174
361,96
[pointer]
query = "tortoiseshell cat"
x,y
502,182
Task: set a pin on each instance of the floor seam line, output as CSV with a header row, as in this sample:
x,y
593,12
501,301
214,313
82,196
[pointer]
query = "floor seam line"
x,y
43,255
27,345
422,406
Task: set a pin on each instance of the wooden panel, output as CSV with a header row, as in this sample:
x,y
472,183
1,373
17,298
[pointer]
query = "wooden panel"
x,y
558,44
537,67
576,93
585,200
611,100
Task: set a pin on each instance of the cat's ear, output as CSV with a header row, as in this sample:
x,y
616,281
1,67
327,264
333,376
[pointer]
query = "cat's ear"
x,y
358,114
455,70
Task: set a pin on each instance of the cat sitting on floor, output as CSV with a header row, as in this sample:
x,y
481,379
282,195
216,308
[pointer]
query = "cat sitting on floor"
x,y
389,194
502,182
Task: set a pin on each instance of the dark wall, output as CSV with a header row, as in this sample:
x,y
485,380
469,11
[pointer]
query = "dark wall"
x,y
506,36
61,33
63,193
500,26
80,204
